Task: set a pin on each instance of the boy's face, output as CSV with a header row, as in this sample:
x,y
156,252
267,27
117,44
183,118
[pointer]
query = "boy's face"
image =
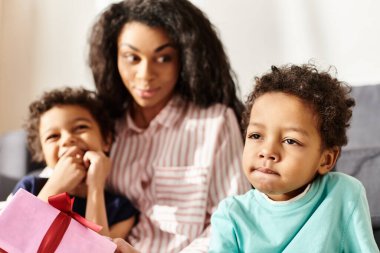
x,y
282,152
66,126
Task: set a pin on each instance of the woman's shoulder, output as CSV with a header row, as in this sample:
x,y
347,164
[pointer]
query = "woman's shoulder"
x,y
213,111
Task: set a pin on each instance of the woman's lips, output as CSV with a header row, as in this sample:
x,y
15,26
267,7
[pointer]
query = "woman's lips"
x,y
146,93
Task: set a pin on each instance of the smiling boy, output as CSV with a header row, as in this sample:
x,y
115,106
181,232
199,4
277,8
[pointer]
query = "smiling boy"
x,y
70,130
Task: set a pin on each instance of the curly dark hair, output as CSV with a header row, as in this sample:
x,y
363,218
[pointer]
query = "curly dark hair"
x,y
205,76
65,96
326,95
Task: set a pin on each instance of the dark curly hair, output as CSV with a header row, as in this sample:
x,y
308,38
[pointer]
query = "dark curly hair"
x,y
205,76
65,96
327,96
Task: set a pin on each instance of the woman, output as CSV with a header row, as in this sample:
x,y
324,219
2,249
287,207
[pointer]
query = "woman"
x,y
162,71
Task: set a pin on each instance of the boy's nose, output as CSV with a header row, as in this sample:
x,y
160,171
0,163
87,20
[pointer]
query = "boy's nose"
x,y
269,156
269,152
68,140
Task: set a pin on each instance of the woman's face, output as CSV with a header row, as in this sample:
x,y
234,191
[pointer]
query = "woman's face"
x,y
148,64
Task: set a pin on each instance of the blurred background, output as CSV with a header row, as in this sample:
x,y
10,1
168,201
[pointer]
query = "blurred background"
x,y
43,43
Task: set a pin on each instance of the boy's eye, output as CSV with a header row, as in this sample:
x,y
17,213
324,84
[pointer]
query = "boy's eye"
x,y
291,142
254,136
80,128
52,137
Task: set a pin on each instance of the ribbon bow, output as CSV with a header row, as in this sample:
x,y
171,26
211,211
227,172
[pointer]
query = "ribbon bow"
x,y
57,229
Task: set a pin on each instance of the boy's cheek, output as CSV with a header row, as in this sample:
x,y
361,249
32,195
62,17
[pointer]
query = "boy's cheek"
x,y
248,160
51,163
247,155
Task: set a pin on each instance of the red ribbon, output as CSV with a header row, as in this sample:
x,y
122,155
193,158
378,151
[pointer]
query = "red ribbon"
x,y
57,229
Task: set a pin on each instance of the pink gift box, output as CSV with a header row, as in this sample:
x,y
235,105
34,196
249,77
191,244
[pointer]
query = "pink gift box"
x,y
26,219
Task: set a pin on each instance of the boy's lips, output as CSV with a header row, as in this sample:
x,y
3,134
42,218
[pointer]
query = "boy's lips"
x,y
264,170
62,153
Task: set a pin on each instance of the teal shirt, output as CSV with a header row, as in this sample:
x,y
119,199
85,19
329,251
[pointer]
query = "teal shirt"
x,y
333,216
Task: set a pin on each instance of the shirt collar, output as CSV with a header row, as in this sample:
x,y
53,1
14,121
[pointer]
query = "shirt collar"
x,y
299,196
46,172
167,117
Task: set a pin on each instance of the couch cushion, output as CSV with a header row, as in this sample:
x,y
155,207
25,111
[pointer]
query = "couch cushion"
x,y
6,186
364,164
365,124
13,154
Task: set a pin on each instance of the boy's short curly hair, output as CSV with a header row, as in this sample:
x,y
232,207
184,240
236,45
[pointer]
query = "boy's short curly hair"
x,y
326,95
65,96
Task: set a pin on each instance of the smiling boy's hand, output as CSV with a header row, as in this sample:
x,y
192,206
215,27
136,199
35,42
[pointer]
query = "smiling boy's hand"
x,y
68,173
99,166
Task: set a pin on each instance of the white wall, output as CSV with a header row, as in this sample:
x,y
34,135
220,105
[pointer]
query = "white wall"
x,y
42,45
14,60
260,33
43,42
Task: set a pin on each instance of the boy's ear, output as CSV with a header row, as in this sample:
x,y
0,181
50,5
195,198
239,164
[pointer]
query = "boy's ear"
x,y
328,160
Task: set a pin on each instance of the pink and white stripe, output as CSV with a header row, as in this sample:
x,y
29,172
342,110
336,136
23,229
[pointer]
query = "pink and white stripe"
x,y
176,171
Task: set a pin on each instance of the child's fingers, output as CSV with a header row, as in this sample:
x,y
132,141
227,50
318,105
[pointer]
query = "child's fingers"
x,y
73,151
74,155
88,158
93,157
79,159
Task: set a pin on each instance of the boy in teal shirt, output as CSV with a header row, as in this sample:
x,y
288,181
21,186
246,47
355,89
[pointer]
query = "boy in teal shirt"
x,y
296,121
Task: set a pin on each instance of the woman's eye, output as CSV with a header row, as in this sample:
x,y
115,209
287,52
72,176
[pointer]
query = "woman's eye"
x,y
164,58
131,58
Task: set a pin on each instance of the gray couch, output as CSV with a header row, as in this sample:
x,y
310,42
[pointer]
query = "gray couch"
x,y
15,161
360,158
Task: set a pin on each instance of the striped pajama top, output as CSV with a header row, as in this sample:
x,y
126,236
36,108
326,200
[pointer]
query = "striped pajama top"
x,y
176,172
